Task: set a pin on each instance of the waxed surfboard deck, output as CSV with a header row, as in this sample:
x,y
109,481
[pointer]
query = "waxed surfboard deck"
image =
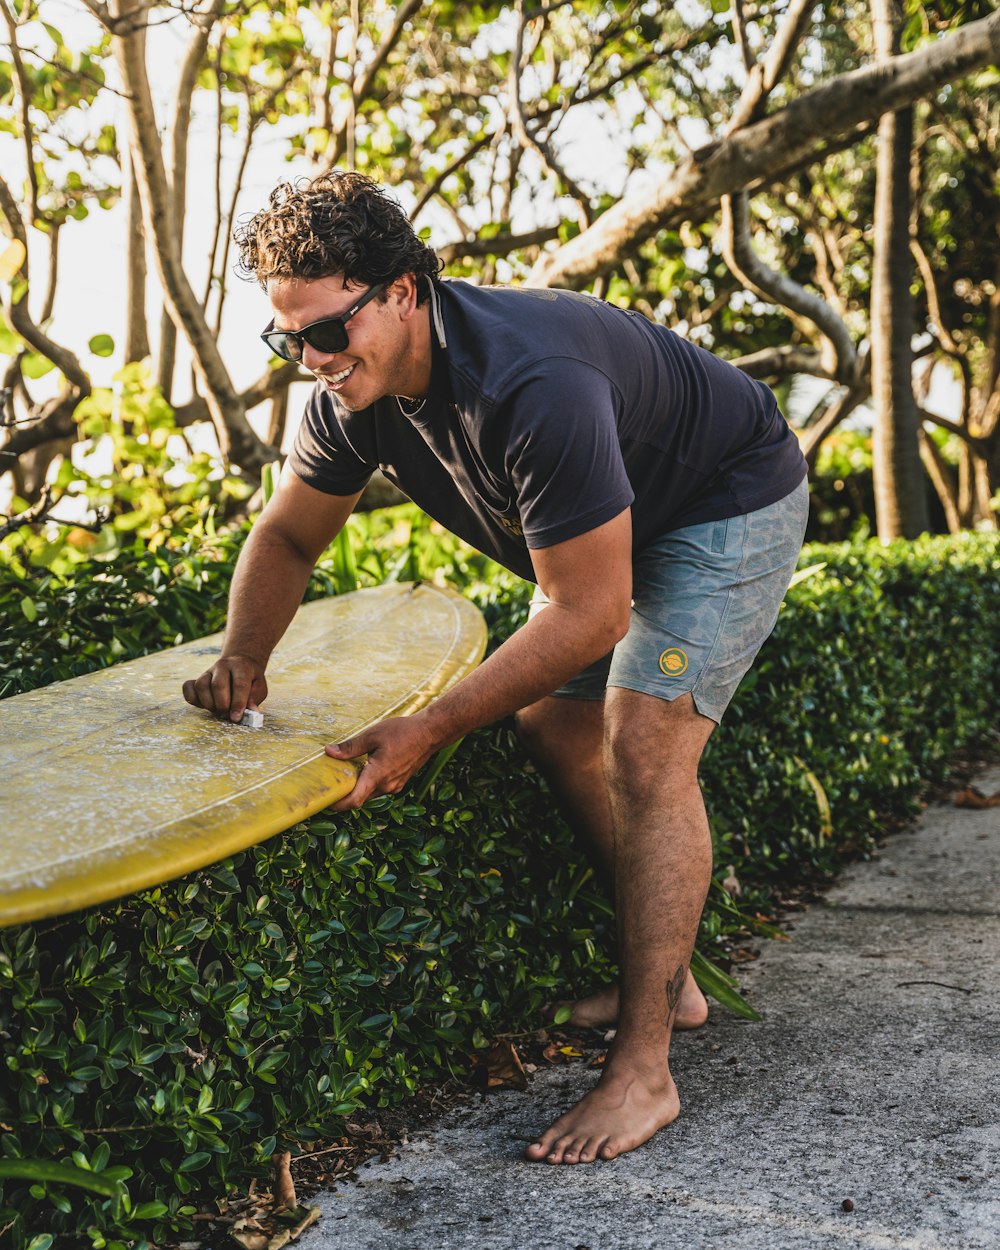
x,y
110,783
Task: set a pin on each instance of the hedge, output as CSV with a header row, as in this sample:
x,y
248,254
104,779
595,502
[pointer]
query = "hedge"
x,y
166,1045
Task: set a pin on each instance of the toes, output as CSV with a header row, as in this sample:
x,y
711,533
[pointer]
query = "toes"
x,y
611,1149
559,1149
591,1150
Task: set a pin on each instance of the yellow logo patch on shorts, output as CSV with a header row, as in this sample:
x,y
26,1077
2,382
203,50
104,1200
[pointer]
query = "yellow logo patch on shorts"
x,y
673,662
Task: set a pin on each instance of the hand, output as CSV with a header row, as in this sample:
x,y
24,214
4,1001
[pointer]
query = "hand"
x,y
233,684
396,748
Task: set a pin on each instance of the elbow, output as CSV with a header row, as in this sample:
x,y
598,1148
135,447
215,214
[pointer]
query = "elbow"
x,y
620,625
614,626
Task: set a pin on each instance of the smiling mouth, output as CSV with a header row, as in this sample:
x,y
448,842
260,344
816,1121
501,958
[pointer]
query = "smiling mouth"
x,y
335,380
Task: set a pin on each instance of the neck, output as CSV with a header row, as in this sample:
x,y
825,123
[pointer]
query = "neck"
x,y
417,380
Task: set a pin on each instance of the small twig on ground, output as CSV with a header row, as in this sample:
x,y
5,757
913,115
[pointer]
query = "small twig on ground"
x,y
943,984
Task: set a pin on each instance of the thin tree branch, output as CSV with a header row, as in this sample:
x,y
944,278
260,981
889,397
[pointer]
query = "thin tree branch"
x,y
267,386
780,362
758,153
20,318
496,245
80,74
24,95
362,87
977,442
845,403
519,124
48,304
740,36
431,190
227,234
351,124
933,299
765,76
217,180
32,515
236,438
778,288
938,472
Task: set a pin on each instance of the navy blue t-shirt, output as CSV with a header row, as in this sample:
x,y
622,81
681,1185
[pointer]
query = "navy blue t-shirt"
x,y
549,413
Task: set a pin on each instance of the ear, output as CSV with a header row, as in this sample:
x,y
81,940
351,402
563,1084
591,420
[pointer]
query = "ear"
x,y
403,292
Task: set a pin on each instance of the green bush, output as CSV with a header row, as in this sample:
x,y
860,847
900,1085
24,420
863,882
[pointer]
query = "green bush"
x,y
883,663
167,1044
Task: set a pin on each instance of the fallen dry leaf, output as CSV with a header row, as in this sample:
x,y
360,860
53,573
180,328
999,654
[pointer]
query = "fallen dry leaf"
x,y
309,1215
250,1241
284,1186
504,1068
370,1132
971,796
249,1235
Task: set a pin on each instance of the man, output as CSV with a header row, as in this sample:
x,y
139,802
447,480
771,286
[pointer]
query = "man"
x,y
654,493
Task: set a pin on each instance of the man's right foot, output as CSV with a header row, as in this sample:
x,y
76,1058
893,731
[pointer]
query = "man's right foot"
x,y
600,1010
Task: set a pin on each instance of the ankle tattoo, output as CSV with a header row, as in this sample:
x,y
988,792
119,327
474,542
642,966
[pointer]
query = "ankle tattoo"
x,y
675,987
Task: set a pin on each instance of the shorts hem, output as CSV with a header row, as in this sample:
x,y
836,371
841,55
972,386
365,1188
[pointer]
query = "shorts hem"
x,y
702,706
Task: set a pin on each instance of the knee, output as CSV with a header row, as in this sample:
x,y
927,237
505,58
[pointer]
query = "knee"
x,y
638,762
533,731
561,733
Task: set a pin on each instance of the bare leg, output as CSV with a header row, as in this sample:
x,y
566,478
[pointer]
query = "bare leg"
x,y
566,739
663,865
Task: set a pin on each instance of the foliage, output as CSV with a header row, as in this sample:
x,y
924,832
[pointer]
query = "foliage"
x,y
507,129
171,1042
881,665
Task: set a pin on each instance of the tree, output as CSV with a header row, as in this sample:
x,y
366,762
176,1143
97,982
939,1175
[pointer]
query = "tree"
x,y
473,112
900,500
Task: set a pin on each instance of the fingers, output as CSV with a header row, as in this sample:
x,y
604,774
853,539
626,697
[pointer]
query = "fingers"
x,y
395,750
372,782
350,748
228,688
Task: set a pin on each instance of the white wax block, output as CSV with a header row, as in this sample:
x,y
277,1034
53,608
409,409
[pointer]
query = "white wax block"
x,y
252,719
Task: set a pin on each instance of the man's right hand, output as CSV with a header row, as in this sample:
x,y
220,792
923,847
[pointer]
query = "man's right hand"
x,y
233,684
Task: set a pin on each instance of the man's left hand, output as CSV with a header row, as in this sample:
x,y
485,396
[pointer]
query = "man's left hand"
x,y
396,748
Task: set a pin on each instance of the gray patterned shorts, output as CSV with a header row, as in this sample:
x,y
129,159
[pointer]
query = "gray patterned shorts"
x,y
705,598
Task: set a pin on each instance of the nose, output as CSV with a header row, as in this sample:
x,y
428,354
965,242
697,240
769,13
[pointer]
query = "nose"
x,y
313,359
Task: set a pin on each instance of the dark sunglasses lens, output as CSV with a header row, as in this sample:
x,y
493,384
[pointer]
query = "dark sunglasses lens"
x,y
284,345
327,336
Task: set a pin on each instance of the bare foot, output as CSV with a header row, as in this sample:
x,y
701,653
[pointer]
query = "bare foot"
x,y
624,1109
600,1010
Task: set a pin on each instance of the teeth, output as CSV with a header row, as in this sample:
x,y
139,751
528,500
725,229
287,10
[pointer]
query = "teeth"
x,y
339,377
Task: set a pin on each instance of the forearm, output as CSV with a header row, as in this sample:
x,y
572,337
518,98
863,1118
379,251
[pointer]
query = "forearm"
x,y
552,647
270,579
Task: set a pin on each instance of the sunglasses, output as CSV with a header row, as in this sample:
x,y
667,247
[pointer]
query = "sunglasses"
x,y
328,336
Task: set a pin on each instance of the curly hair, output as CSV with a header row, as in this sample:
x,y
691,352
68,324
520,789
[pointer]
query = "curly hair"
x,y
339,223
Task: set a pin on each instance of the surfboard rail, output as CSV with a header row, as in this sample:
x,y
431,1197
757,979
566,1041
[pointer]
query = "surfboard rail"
x,y
110,783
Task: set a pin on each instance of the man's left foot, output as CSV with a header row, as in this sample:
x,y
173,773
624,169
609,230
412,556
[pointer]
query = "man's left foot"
x,y
626,1107
600,1010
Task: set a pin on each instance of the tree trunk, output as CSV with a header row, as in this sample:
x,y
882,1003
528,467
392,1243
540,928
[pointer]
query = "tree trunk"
x,y
180,127
237,441
136,329
900,490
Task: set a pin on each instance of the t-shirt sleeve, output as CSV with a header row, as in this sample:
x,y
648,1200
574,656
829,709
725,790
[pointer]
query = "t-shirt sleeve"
x,y
563,453
322,455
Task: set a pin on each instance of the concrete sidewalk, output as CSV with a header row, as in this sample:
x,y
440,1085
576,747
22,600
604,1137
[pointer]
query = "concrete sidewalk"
x,y
874,1077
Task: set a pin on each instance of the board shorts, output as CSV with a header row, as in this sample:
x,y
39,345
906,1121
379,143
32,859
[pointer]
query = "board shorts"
x,y
705,599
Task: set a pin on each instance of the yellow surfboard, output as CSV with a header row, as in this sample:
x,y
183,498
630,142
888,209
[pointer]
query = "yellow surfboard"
x,y
110,783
